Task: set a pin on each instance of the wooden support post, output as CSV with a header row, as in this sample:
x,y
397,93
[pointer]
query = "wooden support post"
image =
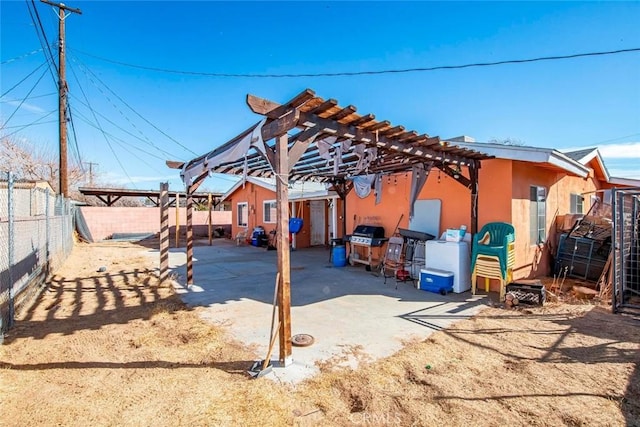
x,y
190,190
177,220
284,261
209,204
164,231
473,177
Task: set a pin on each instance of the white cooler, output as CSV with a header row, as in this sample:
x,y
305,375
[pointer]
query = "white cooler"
x,y
451,256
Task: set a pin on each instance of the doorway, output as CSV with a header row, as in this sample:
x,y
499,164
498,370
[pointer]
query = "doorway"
x,y
318,224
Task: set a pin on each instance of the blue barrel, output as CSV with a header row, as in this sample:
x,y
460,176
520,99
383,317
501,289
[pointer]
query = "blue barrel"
x,y
339,256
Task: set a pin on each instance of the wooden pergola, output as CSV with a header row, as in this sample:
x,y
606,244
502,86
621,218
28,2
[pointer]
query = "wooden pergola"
x,y
316,139
109,196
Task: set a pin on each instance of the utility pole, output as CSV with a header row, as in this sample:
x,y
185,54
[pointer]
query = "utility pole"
x,y
62,94
91,164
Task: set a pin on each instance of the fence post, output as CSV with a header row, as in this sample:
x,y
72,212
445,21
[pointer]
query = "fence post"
x,y
11,245
47,225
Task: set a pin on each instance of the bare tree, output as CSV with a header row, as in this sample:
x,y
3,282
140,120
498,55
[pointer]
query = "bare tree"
x,y
30,162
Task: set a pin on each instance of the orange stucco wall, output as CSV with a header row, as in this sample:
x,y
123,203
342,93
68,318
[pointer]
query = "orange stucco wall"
x,y
394,205
534,260
255,196
494,199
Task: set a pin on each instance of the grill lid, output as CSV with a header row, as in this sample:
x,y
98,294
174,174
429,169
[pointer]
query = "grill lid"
x,y
375,231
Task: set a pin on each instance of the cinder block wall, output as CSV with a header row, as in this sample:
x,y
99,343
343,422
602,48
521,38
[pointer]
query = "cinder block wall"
x,y
103,222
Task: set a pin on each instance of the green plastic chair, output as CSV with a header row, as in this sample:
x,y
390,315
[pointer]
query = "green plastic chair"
x,y
495,239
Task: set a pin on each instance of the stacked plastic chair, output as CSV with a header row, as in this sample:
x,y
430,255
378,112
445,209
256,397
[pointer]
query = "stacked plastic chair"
x,y
493,255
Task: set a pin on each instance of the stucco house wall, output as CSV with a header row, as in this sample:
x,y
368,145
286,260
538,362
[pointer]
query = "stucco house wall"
x,y
255,196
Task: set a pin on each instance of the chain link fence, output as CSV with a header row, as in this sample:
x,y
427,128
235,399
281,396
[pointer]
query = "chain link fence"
x,y
36,234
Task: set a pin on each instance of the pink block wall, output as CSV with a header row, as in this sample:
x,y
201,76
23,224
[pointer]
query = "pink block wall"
x,y
105,221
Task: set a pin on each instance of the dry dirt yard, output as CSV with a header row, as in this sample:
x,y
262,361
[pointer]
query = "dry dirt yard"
x,y
114,348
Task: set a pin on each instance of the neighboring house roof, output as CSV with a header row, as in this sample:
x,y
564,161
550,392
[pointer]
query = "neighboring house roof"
x,y
529,154
298,190
28,183
578,155
591,154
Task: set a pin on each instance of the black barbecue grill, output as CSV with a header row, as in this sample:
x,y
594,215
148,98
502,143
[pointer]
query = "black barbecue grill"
x,y
365,236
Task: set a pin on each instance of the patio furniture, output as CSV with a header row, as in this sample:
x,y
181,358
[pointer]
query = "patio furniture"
x,y
241,238
495,239
488,266
394,257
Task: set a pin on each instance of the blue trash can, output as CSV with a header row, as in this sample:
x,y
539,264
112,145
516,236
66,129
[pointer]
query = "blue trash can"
x,y
339,256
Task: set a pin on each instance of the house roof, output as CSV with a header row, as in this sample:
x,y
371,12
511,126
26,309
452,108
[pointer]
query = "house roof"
x,y
298,190
529,154
575,161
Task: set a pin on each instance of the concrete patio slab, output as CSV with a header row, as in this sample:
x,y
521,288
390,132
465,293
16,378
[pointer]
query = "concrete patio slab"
x,y
352,315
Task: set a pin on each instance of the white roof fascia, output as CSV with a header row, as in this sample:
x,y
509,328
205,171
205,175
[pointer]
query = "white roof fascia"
x,y
631,182
529,154
598,156
586,159
558,159
595,154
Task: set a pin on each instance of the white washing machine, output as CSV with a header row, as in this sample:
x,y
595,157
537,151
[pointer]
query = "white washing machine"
x,y
450,256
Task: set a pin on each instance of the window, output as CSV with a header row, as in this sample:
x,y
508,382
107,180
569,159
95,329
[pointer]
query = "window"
x,y
538,214
269,210
243,214
576,206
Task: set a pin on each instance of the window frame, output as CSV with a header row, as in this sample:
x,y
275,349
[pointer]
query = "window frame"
x,y
239,216
576,200
538,231
265,210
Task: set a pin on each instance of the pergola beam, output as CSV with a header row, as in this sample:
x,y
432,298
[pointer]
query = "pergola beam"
x,y
373,139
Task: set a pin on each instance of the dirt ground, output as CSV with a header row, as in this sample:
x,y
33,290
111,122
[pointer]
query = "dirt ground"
x,y
115,348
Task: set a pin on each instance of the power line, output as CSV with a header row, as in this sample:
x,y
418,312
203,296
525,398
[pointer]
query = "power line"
x,y
75,138
29,124
170,156
132,109
25,78
115,138
361,73
33,123
31,97
104,135
24,55
618,138
42,38
25,98
146,140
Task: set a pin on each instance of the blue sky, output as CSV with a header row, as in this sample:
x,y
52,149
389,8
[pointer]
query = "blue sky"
x,y
584,102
